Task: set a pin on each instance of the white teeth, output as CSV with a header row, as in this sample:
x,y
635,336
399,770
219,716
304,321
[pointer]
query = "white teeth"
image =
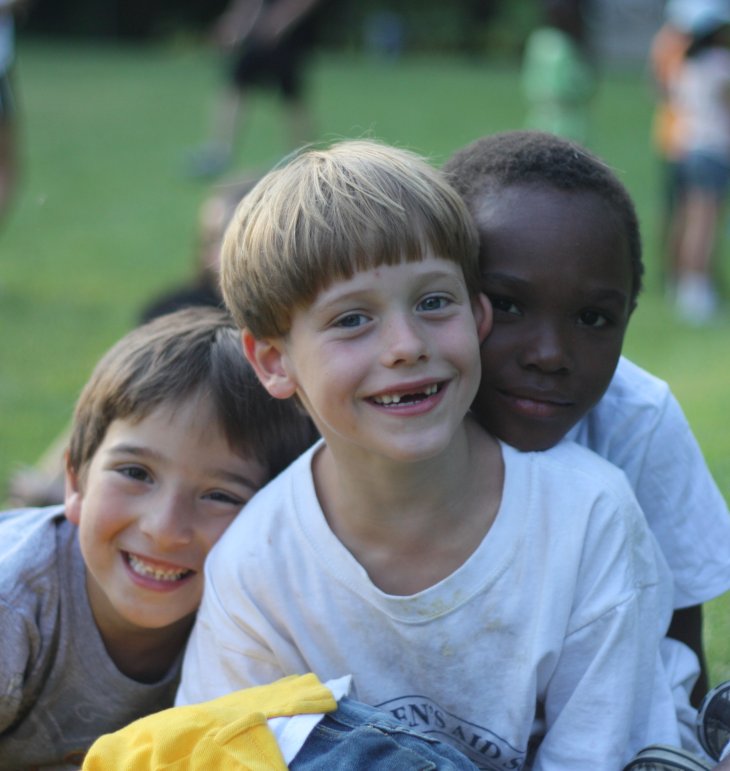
x,y
161,574
396,398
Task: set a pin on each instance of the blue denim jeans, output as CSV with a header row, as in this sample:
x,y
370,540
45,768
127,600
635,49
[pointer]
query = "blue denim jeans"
x,y
356,737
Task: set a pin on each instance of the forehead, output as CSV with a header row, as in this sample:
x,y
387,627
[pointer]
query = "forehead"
x,y
552,233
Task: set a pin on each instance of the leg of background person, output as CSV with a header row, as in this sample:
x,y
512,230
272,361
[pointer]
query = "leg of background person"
x,y
215,156
696,301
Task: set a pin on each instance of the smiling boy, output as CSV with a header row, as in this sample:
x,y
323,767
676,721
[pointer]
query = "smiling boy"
x,y
497,600
561,261
172,435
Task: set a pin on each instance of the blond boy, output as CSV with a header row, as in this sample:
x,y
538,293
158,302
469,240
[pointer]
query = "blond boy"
x,y
409,547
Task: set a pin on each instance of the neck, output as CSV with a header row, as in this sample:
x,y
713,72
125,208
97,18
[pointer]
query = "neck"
x,y
147,656
411,524
141,653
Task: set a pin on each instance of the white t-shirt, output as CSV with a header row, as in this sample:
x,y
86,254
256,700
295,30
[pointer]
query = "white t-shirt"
x,y
703,99
558,614
639,426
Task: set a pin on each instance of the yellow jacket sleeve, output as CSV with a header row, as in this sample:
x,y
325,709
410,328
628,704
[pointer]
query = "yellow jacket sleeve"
x,y
230,733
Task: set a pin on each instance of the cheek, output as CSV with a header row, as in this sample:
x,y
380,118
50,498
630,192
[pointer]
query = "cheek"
x,y
599,363
209,532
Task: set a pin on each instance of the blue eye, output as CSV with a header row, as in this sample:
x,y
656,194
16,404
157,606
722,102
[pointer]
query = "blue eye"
x,y
351,320
433,303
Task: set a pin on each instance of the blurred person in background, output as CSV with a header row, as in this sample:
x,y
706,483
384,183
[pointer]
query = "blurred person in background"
x,y
558,78
42,484
271,41
702,93
666,57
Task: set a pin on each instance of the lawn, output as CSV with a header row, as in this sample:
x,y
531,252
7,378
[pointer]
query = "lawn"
x,y
105,217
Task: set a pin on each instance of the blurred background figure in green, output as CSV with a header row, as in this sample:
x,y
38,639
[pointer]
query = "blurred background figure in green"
x,y
558,78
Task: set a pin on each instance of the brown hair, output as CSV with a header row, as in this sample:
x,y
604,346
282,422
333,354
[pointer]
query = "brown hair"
x,y
169,359
329,213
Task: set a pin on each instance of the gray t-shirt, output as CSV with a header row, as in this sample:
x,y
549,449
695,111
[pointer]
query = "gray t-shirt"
x,y
59,690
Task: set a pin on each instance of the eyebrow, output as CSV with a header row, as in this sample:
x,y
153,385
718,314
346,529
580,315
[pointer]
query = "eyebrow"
x,y
602,294
146,452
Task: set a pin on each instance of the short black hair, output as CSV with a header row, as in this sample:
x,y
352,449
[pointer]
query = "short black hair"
x,y
501,160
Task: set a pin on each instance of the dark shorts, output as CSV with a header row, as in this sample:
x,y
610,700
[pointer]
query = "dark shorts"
x,y
279,66
707,172
356,737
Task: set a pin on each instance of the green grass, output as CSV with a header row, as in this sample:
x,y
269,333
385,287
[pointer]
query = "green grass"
x,y
105,218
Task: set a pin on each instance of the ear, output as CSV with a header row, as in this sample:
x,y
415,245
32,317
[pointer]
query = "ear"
x,y
269,361
483,314
73,496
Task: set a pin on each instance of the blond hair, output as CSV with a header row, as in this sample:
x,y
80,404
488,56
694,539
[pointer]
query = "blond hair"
x,y
329,213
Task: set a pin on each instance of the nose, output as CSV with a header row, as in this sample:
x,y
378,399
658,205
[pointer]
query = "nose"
x,y
403,341
546,347
168,521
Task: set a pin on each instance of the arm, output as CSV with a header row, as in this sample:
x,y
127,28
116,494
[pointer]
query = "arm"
x,y
600,695
281,17
607,696
236,22
686,627
245,18
15,658
643,431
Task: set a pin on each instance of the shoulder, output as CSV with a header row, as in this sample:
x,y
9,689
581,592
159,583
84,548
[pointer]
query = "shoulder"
x,y
634,404
570,485
634,387
570,460
31,541
30,537
584,507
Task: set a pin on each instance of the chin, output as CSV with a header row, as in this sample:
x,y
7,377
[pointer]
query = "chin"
x,y
532,443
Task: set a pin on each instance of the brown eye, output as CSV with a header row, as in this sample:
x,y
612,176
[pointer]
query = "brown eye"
x,y
593,319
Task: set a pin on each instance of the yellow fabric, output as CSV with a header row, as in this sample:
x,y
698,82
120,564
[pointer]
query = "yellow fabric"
x,y
226,734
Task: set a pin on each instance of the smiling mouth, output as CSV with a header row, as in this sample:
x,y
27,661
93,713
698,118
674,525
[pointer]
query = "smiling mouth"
x,y
386,400
148,570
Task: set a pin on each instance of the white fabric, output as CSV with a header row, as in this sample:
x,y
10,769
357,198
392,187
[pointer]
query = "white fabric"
x,y
292,732
562,605
703,101
640,427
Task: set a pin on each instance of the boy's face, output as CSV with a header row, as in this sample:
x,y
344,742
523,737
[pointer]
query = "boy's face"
x,y
557,269
386,361
156,496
